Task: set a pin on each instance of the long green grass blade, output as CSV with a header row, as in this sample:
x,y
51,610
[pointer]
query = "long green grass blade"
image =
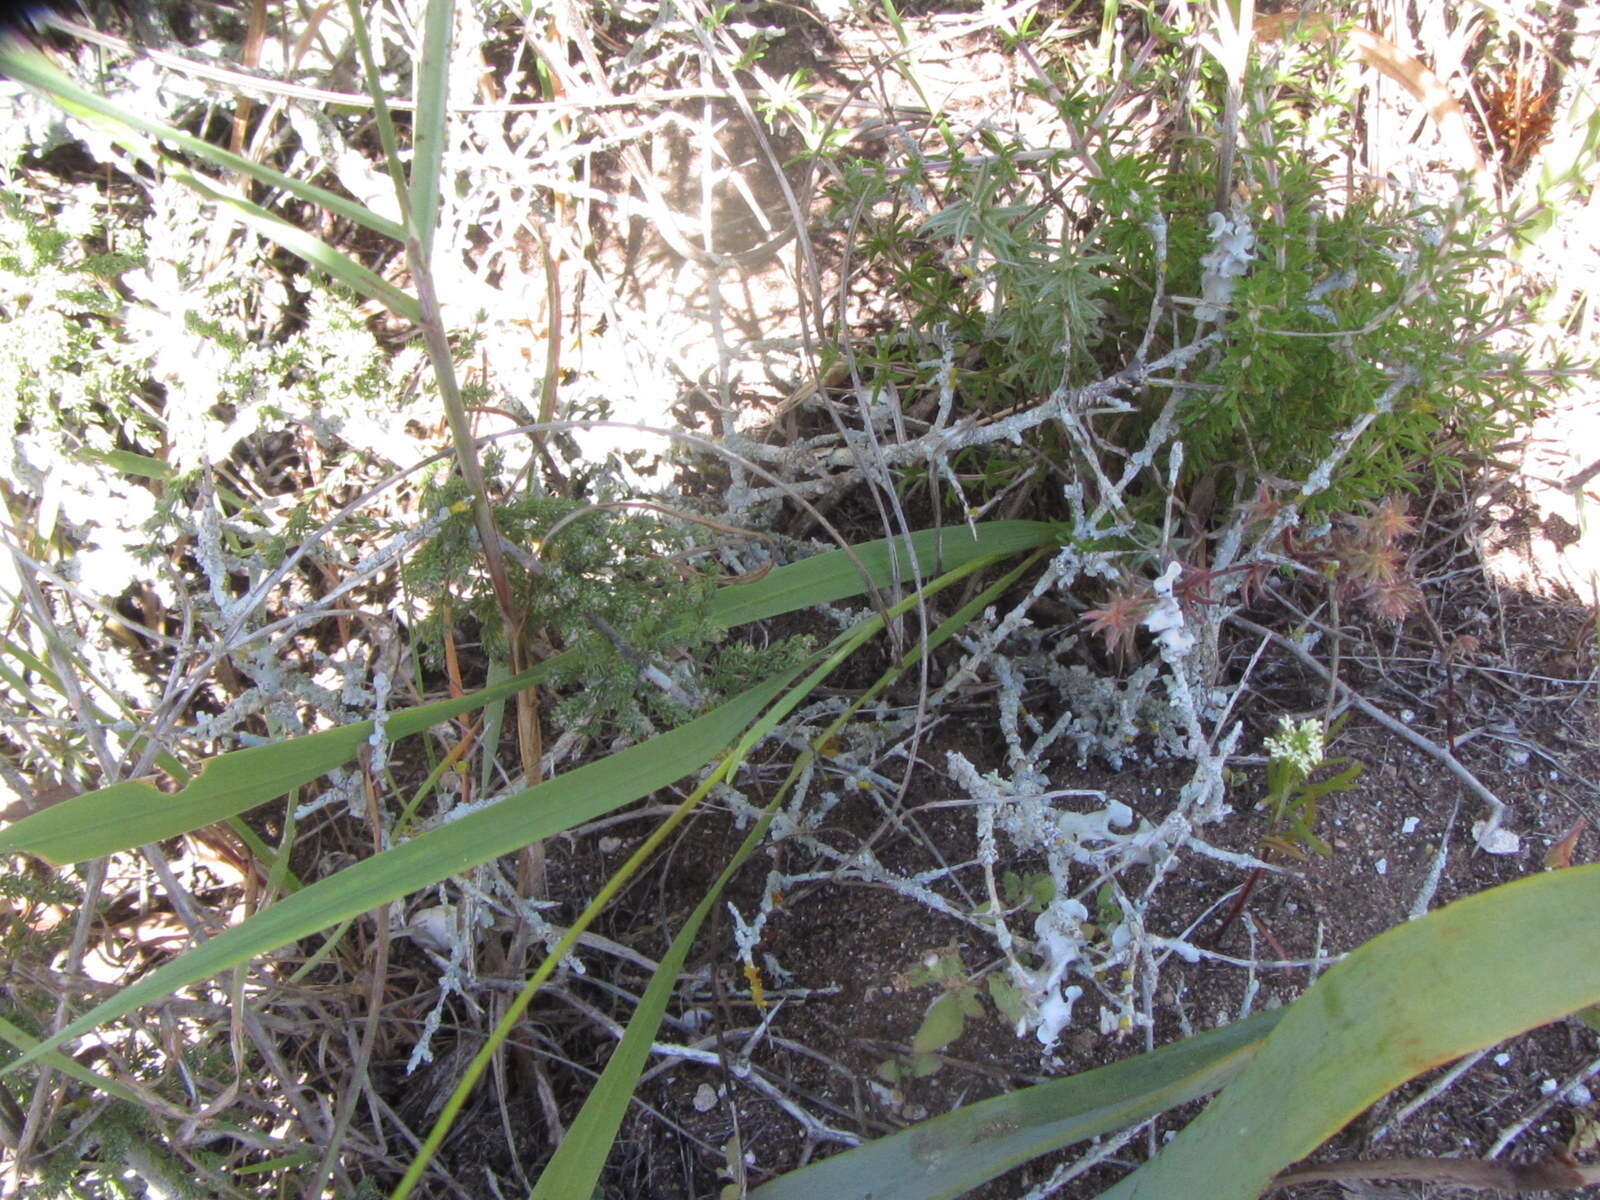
x,y
1464,977
428,128
951,1154
583,1151
518,820
54,1059
831,576
125,129
309,247
125,815
32,69
134,813
574,1170
126,462
380,108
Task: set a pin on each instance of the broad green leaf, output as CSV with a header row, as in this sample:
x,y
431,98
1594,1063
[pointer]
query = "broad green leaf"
x,y
125,815
941,1025
1006,998
1467,976
956,1152
29,67
428,128
518,820
1422,994
1590,1016
920,1066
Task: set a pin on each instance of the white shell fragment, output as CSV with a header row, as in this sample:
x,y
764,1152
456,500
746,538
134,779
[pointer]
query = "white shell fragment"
x,y
1495,840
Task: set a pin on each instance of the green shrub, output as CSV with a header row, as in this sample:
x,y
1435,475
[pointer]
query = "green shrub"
x,y
1042,266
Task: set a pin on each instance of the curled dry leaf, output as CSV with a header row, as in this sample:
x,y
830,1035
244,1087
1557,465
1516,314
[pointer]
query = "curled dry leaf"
x,y
1560,854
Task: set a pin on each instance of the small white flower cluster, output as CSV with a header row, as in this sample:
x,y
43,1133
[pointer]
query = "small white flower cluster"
x,y
1300,746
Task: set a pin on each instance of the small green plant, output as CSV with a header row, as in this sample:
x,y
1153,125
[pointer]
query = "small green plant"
x,y
62,363
615,588
1031,893
1293,318
1295,760
1369,1023
946,1017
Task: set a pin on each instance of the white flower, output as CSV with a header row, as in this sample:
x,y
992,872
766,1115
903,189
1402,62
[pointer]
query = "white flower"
x,y
1299,745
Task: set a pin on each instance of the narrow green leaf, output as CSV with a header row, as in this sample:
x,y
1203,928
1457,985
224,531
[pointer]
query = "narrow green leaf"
x,y
131,814
831,576
428,128
956,1152
606,1113
126,462
380,108
125,815
518,820
1467,976
57,1061
1345,779
574,1170
313,249
29,67
494,715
